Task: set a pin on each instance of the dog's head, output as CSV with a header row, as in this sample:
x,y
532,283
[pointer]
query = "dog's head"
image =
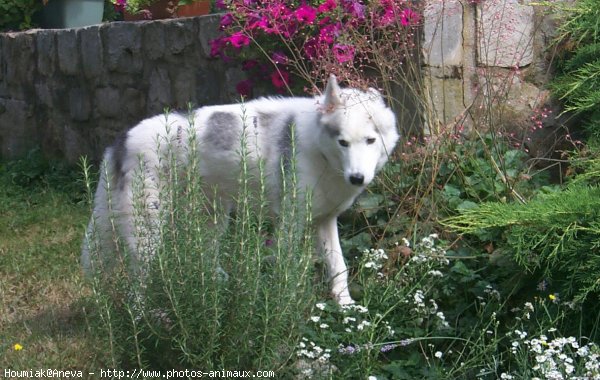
x,y
358,132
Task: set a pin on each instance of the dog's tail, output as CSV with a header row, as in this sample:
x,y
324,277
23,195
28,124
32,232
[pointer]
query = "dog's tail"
x,y
99,230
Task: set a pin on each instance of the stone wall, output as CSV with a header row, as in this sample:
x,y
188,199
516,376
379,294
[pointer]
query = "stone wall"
x,y
70,91
483,55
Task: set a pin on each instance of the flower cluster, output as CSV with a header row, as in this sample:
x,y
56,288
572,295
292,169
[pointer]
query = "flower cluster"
x,y
352,323
426,252
374,258
305,33
558,358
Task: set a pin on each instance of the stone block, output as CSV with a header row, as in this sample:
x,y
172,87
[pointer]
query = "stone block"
x,y
107,102
159,90
180,34
91,51
2,66
66,49
446,97
46,52
505,33
184,86
79,104
123,53
136,103
19,48
16,125
443,25
154,40
43,94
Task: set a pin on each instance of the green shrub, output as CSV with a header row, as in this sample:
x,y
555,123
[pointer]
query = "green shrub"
x,y
210,298
577,82
18,14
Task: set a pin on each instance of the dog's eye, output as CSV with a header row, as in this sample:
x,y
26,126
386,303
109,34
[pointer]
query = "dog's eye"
x,y
370,140
343,143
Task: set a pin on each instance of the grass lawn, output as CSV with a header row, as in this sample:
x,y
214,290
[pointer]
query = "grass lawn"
x,y
42,304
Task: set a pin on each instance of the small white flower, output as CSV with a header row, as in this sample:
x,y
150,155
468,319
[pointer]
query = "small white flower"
x,y
323,325
540,358
315,318
438,354
362,325
529,306
320,306
347,320
361,309
372,378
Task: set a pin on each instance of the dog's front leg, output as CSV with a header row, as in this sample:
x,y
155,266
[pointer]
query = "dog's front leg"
x,y
329,243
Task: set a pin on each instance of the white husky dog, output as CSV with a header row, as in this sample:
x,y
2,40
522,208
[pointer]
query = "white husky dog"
x,y
341,138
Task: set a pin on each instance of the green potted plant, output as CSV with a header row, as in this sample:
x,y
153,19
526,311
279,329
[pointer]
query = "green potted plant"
x,y
71,13
159,9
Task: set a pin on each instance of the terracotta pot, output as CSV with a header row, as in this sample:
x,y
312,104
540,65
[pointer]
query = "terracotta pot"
x,y
158,10
197,8
168,9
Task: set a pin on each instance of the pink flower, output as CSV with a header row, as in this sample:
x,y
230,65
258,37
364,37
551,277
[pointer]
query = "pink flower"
x,y
249,64
226,21
409,17
311,48
327,6
329,32
343,53
306,14
244,88
279,57
220,4
217,48
355,8
239,39
280,79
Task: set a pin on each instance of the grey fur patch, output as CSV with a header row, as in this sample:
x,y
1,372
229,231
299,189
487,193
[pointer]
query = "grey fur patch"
x,y
284,143
223,130
333,130
265,120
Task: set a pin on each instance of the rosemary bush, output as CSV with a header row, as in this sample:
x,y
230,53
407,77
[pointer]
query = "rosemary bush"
x,y
211,296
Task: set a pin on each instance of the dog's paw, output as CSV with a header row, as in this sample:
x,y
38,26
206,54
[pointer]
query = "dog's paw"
x,y
344,299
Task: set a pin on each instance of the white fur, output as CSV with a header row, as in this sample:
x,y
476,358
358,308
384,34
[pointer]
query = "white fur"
x,y
322,125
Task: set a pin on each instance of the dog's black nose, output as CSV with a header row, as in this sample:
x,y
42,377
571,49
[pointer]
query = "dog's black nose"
x,y
357,179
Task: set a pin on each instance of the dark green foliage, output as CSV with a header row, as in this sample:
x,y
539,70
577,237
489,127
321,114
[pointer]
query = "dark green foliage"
x,y
18,14
577,82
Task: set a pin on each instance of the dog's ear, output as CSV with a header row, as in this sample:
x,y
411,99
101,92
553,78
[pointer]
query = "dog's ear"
x,y
332,94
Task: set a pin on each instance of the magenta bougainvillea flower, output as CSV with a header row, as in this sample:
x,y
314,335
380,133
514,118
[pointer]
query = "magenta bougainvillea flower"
x,y
409,17
280,79
244,88
279,58
343,53
239,39
327,6
306,14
